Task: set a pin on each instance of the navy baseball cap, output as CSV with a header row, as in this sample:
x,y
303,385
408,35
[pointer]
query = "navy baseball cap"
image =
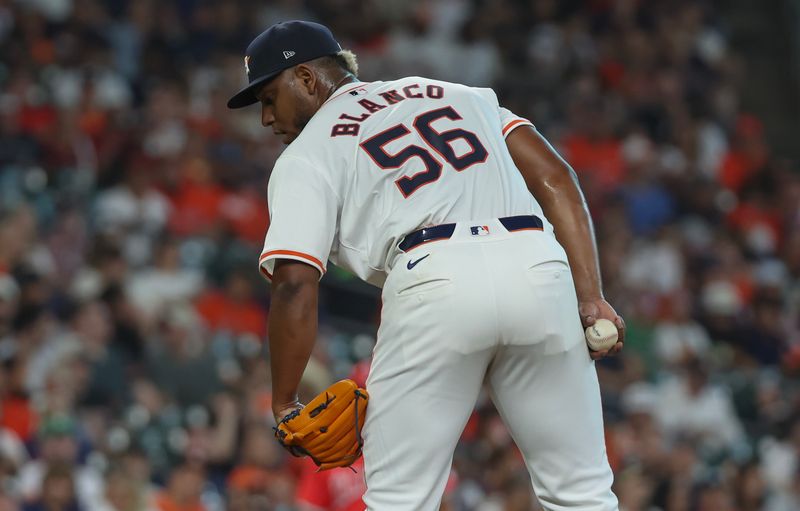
x,y
280,47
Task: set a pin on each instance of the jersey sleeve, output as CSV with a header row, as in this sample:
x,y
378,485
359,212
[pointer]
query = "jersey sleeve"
x,y
303,209
509,121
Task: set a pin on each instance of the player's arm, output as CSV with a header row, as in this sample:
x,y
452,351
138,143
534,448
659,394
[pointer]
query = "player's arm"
x,y
292,329
554,184
303,211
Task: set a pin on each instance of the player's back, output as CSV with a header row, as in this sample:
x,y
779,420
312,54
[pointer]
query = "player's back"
x,y
411,153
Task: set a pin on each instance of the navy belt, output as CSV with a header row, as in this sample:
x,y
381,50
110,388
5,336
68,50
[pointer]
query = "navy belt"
x,y
445,231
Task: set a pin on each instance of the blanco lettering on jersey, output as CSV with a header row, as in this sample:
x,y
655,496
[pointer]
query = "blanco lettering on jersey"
x,y
388,98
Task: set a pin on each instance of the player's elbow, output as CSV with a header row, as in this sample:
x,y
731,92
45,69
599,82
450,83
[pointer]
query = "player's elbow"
x,y
555,174
294,282
546,174
291,292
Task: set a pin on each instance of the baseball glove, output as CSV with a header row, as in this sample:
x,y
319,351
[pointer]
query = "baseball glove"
x,y
328,429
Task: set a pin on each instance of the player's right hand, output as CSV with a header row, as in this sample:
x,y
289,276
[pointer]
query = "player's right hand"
x,y
592,310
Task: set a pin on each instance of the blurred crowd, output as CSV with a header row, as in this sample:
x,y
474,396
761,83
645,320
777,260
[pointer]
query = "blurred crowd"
x,y
133,369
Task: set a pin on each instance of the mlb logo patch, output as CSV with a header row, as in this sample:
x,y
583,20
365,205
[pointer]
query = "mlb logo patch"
x,y
479,230
358,92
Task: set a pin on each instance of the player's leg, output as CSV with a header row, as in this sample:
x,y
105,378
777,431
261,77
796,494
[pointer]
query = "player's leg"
x,y
545,387
412,428
551,404
423,383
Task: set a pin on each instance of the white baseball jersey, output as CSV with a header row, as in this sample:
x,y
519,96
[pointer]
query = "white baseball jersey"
x,y
488,305
380,160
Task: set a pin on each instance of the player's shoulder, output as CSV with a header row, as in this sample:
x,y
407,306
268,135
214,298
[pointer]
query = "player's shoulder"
x,y
309,156
448,88
294,167
422,81
286,166
311,144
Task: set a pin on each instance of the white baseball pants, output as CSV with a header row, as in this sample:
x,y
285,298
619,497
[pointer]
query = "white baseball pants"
x,y
498,308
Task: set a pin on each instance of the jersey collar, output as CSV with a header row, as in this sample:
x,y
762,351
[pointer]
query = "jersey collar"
x,y
344,89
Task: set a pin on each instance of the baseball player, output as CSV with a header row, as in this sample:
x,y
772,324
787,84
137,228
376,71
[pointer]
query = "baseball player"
x,y
479,236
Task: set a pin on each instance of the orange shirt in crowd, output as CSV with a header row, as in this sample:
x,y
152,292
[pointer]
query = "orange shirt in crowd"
x,y
36,119
749,154
747,216
735,170
195,208
246,214
222,313
249,477
165,503
601,159
17,415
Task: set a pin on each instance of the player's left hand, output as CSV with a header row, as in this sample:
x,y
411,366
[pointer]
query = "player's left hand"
x,y
328,429
592,310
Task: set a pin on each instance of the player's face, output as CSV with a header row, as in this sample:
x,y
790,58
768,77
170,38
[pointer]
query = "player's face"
x,y
285,106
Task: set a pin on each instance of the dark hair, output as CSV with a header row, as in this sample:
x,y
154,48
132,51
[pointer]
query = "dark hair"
x,y
345,61
27,316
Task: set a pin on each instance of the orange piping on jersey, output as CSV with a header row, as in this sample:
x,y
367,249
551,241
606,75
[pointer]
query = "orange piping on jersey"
x,y
528,229
305,257
514,123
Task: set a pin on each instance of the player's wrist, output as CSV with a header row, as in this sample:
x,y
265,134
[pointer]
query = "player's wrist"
x,y
588,288
280,408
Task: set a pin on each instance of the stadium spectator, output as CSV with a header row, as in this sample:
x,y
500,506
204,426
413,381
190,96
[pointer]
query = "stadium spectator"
x,y
55,475
183,491
58,492
132,342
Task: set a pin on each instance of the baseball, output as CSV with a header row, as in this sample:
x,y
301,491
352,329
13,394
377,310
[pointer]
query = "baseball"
x,y
602,335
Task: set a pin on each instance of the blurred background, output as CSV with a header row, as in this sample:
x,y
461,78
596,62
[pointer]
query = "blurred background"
x,y
133,368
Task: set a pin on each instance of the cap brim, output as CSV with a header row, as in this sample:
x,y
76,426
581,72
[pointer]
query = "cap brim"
x,y
247,96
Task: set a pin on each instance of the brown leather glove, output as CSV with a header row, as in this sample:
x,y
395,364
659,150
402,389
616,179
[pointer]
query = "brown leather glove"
x,y
328,429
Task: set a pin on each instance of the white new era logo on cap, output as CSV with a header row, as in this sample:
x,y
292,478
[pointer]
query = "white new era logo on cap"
x,y
288,54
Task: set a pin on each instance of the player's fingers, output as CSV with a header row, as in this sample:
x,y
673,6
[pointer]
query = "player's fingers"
x,y
597,355
616,348
620,324
588,312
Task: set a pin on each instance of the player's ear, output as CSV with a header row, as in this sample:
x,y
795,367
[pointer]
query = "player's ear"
x,y
306,78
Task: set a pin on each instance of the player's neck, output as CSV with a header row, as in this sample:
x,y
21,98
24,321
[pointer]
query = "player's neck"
x,y
348,78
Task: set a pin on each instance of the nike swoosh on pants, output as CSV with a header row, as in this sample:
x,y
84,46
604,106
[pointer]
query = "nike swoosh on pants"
x,y
411,264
